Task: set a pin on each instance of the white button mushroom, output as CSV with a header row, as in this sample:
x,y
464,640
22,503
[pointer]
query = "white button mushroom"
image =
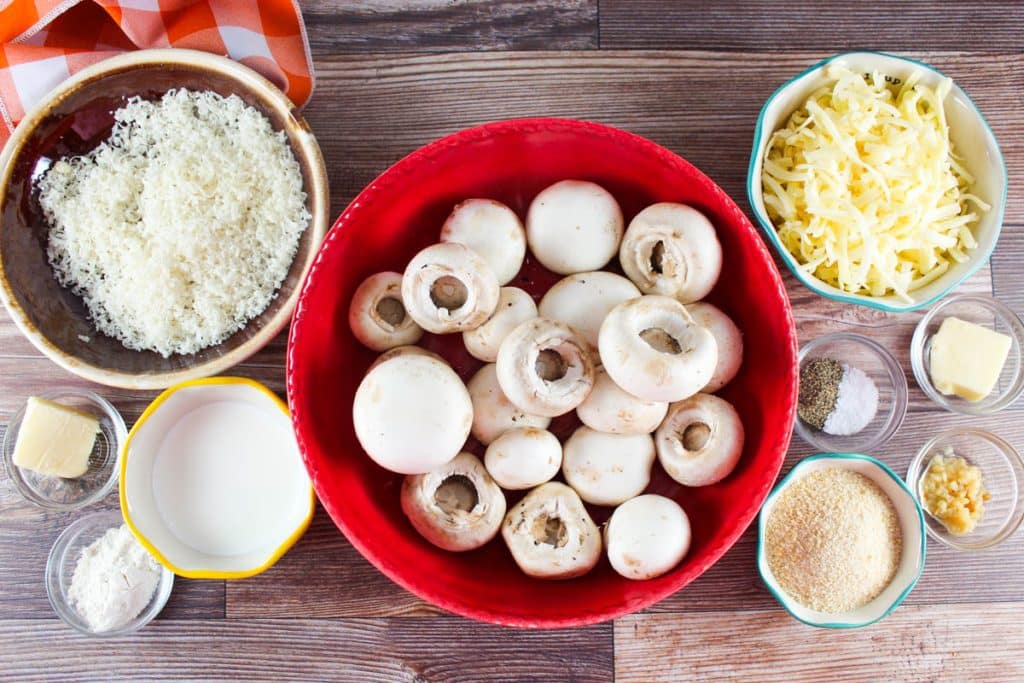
x,y
550,534
457,506
647,536
411,412
700,441
514,307
377,316
544,367
448,287
608,408
493,413
574,226
672,249
728,340
492,230
523,457
653,349
582,301
607,469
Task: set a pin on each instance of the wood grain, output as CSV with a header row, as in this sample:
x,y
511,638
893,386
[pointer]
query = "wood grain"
x,y
414,650
979,642
831,25
443,25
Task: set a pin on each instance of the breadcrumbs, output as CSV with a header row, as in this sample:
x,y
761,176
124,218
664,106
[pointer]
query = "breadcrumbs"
x,y
833,540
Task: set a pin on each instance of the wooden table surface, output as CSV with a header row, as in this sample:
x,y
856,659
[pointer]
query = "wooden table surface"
x,y
692,76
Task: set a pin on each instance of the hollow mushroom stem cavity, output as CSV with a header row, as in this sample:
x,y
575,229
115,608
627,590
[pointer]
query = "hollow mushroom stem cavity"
x,y
448,287
646,537
457,506
653,349
493,413
377,315
492,230
728,339
582,301
574,226
544,367
411,412
609,408
550,534
700,441
673,250
514,308
607,469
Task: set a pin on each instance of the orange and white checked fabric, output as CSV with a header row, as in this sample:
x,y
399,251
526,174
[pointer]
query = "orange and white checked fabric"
x,y
42,42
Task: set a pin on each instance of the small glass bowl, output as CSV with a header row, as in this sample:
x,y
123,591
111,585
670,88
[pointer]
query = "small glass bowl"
x,y
57,493
1002,471
877,363
60,567
987,312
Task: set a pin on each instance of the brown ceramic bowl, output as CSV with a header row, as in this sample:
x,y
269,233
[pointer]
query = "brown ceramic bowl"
x,y
74,118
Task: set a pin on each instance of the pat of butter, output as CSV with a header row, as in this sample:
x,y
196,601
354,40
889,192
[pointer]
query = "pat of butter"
x,y
54,439
966,359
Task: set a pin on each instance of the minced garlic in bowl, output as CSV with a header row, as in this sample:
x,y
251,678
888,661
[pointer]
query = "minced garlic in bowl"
x,y
953,492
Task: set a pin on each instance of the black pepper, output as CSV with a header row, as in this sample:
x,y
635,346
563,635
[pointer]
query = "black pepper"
x,y
819,390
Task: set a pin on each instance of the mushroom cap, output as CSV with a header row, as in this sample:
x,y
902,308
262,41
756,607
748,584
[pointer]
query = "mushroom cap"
x,y
492,230
647,536
609,408
523,457
448,287
672,249
412,413
607,469
696,455
542,348
653,349
574,226
582,301
550,534
456,507
728,340
493,413
377,315
408,350
514,307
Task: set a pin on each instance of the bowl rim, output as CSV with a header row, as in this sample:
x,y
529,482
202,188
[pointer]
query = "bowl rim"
x,y
150,410
339,233
901,388
807,279
1010,454
53,394
318,192
161,593
923,377
777,592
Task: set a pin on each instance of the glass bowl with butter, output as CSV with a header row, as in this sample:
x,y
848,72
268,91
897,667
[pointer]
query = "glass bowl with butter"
x,y
968,483
966,355
61,448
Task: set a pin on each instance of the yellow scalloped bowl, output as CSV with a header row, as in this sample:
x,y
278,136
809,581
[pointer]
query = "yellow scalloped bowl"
x,y
212,483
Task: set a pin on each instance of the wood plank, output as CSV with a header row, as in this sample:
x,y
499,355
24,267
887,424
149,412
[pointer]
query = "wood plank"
x,y
1007,274
420,650
831,25
949,643
338,26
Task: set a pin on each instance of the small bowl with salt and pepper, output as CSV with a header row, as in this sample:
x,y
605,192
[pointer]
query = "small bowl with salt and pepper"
x,y
853,394
101,581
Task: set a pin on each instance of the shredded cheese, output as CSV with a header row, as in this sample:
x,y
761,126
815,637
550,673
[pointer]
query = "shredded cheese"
x,y
180,227
864,187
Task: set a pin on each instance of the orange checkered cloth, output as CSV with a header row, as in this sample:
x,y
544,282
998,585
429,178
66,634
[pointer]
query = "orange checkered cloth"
x,y
42,42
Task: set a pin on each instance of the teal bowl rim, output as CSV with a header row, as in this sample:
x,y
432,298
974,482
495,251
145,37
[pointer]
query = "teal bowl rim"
x,y
813,283
761,521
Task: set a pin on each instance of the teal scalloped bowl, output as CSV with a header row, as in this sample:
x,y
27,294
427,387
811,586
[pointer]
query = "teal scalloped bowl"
x,y
911,524
971,136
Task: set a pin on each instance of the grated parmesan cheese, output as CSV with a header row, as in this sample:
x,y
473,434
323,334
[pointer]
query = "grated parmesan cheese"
x,y
865,189
179,228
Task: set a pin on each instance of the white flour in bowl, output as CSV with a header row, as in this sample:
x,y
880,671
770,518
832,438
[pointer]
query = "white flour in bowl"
x,y
113,581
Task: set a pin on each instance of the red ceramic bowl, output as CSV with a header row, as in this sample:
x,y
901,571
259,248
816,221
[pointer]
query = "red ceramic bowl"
x,y
400,213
